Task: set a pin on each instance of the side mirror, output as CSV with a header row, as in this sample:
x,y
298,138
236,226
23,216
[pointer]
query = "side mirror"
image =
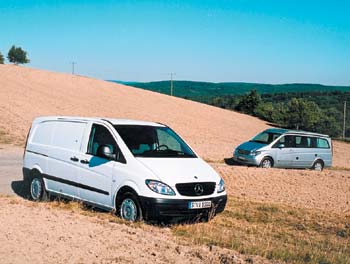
x,y
280,146
104,151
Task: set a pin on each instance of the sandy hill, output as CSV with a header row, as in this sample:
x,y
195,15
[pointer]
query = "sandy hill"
x,y
26,93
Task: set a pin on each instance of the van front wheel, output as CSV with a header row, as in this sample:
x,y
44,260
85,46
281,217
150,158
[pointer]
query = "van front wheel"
x,y
266,163
129,208
37,189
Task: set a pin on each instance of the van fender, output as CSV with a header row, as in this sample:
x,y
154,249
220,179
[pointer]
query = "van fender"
x,y
37,167
127,184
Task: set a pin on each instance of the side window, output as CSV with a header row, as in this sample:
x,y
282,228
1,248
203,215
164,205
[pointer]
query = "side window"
x,y
322,143
302,142
101,136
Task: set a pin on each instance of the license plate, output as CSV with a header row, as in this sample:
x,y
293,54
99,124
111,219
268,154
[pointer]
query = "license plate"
x,y
199,205
241,158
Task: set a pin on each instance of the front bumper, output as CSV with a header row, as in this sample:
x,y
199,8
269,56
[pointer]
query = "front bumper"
x,y
247,159
161,208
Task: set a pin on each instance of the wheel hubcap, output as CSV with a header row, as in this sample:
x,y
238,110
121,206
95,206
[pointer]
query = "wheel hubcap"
x,y
128,210
266,164
318,166
36,189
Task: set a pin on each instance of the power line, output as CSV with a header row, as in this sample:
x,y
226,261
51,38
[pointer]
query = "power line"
x,y
344,121
73,64
171,83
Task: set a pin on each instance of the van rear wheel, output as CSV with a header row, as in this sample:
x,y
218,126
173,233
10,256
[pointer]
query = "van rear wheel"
x,y
129,208
266,163
37,189
318,165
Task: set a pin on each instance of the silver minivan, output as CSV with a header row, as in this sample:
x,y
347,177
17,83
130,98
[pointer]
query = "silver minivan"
x,y
284,148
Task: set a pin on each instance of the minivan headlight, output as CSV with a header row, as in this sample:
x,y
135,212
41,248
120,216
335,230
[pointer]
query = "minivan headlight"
x,y
160,187
255,153
221,186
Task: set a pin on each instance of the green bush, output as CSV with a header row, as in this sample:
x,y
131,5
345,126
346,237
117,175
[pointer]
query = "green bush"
x,y
17,55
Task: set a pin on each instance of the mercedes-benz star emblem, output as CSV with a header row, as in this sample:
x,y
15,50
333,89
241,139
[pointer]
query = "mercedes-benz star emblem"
x,y
198,189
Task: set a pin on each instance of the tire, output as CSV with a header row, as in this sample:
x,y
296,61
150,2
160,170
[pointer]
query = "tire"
x,y
318,165
37,191
129,208
266,163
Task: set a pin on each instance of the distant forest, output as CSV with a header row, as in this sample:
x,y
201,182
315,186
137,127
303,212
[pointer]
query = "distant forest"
x,y
310,107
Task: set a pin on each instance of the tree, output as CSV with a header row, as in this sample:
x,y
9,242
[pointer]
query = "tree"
x,y
248,103
303,114
1,59
17,55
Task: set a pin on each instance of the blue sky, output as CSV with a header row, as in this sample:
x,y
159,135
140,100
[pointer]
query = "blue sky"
x,y
268,41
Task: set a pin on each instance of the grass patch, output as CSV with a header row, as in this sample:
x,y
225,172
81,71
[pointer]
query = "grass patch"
x,y
275,232
5,138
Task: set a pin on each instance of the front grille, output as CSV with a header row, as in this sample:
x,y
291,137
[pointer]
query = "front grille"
x,y
243,152
196,188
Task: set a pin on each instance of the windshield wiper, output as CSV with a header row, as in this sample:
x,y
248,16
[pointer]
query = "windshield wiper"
x,y
165,153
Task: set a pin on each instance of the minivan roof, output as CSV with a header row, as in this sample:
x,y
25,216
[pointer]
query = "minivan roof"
x,y
290,131
113,121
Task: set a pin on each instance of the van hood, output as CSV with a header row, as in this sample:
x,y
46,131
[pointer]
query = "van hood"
x,y
251,146
180,170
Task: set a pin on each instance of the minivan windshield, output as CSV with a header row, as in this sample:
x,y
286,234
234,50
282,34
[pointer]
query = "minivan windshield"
x,y
154,142
265,137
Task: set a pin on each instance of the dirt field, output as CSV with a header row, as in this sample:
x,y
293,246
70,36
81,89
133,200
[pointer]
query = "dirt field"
x,y
43,233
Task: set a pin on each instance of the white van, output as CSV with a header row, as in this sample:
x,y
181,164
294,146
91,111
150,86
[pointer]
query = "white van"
x,y
143,170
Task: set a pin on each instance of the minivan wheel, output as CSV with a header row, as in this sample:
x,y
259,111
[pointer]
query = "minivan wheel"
x,y
37,189
266,163
129,208
318,165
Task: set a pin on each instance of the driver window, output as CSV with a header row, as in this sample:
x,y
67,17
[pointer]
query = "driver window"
x,y
101,136
287,141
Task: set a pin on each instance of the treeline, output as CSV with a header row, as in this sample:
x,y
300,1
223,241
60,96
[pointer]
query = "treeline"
x,y
312,111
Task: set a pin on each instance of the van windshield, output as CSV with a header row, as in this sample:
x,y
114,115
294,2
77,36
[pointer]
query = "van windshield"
x,y
265,137
154,142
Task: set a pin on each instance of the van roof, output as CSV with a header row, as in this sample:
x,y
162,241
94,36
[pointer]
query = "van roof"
x,y
114,121
290,131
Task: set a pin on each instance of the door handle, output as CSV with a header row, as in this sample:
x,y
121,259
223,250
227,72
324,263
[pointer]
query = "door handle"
x,y
75,159
85,161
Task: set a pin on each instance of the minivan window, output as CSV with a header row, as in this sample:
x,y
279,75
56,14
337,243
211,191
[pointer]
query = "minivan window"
x,y
265,137
303,142
322,143
154,142
101,136
288,142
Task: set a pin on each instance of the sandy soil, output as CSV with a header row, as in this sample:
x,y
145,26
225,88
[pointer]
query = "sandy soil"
x,y
67,236
328,190
27,93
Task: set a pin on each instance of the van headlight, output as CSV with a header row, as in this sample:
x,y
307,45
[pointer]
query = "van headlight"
x,y
255,153
221,186
160,187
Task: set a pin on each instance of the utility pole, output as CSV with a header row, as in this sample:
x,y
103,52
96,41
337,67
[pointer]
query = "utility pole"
x,y
344,122
171,83
73,64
